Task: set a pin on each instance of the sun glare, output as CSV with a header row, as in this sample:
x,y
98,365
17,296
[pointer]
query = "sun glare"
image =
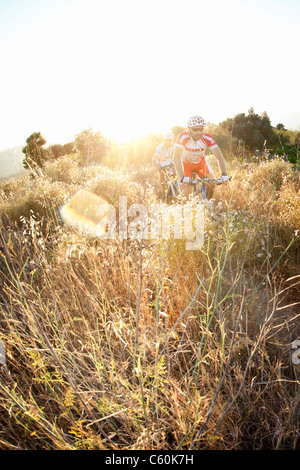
x,y
102,69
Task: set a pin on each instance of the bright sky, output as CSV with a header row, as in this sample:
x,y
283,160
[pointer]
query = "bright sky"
x,y
129,67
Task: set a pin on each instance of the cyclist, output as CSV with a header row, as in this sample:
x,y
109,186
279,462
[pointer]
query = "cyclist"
x,y
164,154
189,156
164,151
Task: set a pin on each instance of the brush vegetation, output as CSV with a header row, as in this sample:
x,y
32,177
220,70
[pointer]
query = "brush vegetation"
x,y
141,344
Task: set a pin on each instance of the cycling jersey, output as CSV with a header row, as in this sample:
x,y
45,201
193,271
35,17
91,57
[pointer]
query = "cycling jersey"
x,y
193,151
163,153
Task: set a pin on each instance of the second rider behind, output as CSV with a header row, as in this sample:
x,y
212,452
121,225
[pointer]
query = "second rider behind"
x,y
163,156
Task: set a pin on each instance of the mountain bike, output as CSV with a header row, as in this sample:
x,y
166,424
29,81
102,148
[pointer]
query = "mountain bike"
x,y
171,186
203,182
204,204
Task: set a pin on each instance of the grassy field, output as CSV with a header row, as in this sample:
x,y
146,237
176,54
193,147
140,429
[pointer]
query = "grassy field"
x,y
141,344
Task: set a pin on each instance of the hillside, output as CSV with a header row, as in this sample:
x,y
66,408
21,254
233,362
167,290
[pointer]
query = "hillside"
x,y
11,162
138,343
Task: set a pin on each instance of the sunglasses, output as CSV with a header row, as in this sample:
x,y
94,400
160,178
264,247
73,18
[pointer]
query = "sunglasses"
x,y
197,129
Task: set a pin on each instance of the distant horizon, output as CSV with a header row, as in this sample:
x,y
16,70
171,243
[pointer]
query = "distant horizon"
x,y
291,117
11,162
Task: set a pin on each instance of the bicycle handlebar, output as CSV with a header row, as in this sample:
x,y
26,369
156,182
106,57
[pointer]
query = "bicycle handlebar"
x,y
166,165
209,180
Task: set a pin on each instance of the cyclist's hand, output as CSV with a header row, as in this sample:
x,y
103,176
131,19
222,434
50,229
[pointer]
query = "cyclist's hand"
x,y
166,163
224,178
185,179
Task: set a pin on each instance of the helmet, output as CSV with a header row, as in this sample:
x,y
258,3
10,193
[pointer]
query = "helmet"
x,y
168,135
196,121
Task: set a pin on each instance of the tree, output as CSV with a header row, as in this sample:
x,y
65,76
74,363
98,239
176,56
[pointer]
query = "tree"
x,y
70,147
35,153
254,130
58,150
91,145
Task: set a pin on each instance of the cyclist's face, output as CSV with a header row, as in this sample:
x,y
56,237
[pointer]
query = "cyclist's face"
x,y
197,132
167,142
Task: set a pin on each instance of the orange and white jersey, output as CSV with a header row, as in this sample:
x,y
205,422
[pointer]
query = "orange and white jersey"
x,y
163,153
193,151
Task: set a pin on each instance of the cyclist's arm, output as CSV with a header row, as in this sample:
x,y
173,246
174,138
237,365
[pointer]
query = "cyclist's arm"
x,y
177,161
155,158
221,160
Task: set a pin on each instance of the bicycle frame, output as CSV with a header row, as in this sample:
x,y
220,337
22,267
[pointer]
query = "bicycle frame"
x,y
172,183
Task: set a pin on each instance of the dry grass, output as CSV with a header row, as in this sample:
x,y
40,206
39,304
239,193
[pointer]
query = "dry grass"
x,y
122,344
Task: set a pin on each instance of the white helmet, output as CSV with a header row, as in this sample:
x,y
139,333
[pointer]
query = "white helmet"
x,y
168,135
196,121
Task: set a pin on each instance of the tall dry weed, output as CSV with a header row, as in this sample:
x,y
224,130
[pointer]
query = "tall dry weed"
x,y
128,344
